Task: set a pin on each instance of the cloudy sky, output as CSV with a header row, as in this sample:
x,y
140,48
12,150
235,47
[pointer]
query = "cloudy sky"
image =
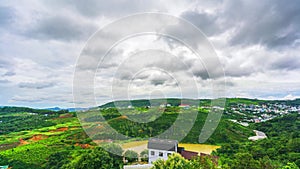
x,y
257,44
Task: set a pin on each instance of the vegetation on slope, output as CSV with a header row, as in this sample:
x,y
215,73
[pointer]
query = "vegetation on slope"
x,y
280,148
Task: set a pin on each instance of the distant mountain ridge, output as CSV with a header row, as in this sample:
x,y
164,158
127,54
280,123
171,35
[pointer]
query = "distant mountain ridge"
x,y
202,102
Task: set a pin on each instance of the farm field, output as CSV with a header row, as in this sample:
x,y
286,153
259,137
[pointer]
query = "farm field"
x,y
139,146
200,148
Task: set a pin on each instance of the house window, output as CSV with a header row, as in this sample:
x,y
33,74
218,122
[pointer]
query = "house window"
x,y
152,153
169,154
161,154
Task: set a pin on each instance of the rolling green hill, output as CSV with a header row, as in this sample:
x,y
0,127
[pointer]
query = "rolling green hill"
x,y
33,138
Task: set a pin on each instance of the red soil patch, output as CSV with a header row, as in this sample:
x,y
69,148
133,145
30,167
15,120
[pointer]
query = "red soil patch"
x,y
60,129
84,146
38,137
66,116
100,127
122,117
23,142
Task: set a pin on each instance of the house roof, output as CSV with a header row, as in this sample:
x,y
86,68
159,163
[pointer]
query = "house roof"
x,y
188,154
162,144
184,105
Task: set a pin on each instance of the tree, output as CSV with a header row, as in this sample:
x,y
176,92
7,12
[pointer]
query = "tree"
x,y
113,149
201,162
244,161
290,166
57,160
131,156
96,159
144,155
175,161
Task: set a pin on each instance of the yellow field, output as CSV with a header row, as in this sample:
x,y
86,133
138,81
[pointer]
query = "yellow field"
x,y
200,148
134,144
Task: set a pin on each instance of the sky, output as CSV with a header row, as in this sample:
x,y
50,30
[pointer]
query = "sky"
x,y
256,42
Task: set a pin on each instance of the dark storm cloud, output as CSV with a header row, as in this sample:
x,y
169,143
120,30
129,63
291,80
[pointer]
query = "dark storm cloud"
x,y
60,28
37,85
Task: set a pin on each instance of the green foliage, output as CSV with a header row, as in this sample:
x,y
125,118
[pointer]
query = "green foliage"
x,y
14,119
57,160
290,166
131,156
176,161
21,123
114,149
288,126
59,150
96,159
144,155
226,131
275,151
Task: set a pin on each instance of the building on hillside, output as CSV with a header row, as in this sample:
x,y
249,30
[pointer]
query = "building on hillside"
x,y
184,106
161,149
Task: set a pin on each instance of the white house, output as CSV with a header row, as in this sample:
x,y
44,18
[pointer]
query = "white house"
x,y
161,149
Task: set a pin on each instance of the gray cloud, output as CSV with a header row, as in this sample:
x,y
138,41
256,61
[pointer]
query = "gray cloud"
x,y
286,63
159,79
9,73
37,85
5,63
94,8
6,16
4,81
204,21
60,28
270,23
201,73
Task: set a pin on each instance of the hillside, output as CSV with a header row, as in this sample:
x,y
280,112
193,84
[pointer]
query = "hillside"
x,y
34,138
281,146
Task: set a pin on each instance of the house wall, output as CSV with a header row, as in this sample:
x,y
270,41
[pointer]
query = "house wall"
x,y
156,156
